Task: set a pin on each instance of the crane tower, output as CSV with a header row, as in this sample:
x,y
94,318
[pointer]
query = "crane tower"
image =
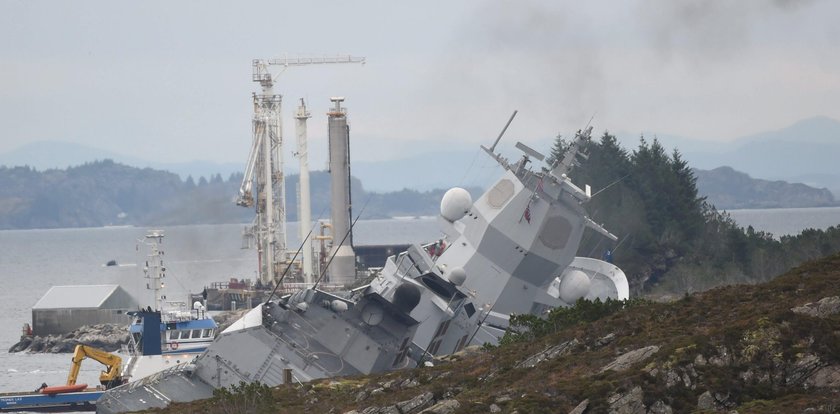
x,y
264,171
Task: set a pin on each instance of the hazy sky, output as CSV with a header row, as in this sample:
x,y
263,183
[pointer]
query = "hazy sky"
x,y
171,81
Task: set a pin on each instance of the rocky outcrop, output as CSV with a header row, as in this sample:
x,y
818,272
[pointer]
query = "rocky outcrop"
x,y
108,337
628,403
423,403
443,407
628,359
824,308
548,354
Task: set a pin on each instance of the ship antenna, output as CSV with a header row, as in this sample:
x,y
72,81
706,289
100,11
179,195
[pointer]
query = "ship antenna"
x,y
302,243
350,230
608,186
493,148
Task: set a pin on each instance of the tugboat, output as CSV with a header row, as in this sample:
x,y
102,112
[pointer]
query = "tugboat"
x,y
511,251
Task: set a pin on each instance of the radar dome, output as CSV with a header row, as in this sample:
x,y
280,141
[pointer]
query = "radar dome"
x,y
455,203
574,285
406,297
338,306
457,276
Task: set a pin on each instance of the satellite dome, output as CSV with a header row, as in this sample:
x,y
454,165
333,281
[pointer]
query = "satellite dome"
x,y
574,285
338,306
406,297
457,276
455,204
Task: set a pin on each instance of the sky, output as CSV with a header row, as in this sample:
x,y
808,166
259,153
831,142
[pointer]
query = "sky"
x,y
171,81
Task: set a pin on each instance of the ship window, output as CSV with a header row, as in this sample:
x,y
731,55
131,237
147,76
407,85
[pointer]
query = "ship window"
x,y
461,343
173,334
196,333
185,334
441,330
401,354
470,309
206,333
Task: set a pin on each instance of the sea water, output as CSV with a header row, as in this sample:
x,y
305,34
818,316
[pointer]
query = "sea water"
x,y
787,221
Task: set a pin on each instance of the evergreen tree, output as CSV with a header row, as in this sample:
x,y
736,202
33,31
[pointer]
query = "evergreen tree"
x,y
557,150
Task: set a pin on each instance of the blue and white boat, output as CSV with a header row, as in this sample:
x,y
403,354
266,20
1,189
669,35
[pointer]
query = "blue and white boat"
x,y
170,334
180,333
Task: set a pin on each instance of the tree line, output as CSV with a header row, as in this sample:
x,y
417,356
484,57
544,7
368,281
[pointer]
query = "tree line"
x,y
671,240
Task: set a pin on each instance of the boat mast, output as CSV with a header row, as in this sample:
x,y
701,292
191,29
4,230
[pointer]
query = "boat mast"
x,y
154,270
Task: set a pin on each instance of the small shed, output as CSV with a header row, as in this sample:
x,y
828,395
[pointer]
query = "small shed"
x,y
64,309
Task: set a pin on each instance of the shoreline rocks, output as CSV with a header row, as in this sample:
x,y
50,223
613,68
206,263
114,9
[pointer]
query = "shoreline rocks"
x,y
108,337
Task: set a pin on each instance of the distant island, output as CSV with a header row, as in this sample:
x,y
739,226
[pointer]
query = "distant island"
x,y
103,193
726,188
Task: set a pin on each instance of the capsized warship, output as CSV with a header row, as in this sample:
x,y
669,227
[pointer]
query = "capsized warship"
x,y
512,251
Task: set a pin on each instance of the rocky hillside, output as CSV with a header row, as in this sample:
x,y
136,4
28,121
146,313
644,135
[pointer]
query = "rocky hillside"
x,y
727,188
764,348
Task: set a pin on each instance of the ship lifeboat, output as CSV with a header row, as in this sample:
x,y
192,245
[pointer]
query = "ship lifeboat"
x,y
60,389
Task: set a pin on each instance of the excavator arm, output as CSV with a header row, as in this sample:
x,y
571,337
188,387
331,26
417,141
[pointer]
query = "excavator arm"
x,y
110,377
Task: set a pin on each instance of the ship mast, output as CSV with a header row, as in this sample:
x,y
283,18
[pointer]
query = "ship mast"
x,y
154,270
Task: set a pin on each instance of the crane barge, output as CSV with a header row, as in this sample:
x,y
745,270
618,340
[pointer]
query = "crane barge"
x,y
72,396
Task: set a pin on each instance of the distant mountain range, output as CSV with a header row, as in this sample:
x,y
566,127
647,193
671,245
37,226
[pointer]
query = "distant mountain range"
x,y
726,188
45,155
104,193
803,152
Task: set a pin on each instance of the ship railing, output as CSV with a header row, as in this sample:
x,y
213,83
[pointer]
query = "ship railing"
x,y
182,315
292,287
407,268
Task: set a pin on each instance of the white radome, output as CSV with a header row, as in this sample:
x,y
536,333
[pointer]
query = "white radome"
x,y
457,276
338,306
575,285
455,204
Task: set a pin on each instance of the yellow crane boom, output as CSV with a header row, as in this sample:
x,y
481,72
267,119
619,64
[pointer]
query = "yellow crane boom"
x,y
110,377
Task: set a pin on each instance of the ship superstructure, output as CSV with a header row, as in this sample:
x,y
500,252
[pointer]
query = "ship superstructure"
x,y
512,251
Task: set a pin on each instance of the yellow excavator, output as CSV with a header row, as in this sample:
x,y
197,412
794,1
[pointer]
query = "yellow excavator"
x,y
109,378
